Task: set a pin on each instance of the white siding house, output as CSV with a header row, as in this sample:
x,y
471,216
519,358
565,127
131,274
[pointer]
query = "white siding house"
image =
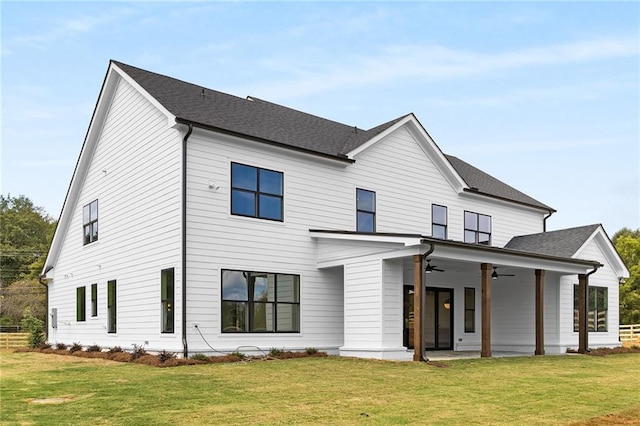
x,y
197,221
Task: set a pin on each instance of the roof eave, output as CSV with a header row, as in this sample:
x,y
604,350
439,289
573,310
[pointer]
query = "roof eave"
x,y
497,197
337,157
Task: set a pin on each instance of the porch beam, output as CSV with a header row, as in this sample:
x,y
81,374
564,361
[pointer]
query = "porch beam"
x,y
418,289
486,309
583,326
539,312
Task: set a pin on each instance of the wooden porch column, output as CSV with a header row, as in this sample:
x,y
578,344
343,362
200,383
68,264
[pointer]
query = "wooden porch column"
x,y
418,289
539,312
583,326
486,310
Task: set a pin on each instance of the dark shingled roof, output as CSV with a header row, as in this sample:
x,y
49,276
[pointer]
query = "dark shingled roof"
x,y
272,123
488,185
561,243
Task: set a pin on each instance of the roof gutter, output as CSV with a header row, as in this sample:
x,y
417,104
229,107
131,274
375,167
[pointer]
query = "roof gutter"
x,y
185,352
337,157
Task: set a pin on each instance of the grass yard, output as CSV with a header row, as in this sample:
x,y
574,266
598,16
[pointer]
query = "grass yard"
x,y
52,389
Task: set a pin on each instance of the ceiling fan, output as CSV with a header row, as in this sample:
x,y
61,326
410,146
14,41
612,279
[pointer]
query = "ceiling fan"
x,y
495,274
430,267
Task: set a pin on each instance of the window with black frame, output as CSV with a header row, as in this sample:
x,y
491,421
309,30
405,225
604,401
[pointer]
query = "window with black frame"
x,y
81,304
365,210
438,221
90,222
477,228
260,302
167,308
597,312
257,192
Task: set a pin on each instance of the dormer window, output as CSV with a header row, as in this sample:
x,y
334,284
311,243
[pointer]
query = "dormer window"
x,y
90,222
477,228
365,210
257,192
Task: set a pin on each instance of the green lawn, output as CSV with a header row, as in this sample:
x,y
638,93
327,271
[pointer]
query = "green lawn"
x,y
540,390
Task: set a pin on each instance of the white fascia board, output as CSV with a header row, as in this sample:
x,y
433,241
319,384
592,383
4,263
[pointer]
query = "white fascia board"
x,y
608,250
171,119
383,255
427,144
406,240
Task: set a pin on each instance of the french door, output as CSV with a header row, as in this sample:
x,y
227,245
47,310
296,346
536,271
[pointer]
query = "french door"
x,y
438,324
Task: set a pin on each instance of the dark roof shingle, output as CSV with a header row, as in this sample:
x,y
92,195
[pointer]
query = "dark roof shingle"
x,y
269,122
561,243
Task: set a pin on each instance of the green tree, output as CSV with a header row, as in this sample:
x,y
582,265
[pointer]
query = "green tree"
x,y
627,243
25,235
20,297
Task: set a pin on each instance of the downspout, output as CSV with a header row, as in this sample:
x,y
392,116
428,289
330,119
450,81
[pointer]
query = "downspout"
x,y
185,352
423,303
544,221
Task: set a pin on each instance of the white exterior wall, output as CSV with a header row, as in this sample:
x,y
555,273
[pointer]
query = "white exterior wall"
x,y
134,175
604,277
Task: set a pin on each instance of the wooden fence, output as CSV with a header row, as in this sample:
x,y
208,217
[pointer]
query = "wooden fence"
x,y
13,340
630,333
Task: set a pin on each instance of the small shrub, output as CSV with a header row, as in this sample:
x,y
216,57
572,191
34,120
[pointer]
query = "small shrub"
x,y
311,351
94,348
61,346
274,352
237,354
200,357
44,345
75,347
635,347
115,350
164,356
34,326
138,351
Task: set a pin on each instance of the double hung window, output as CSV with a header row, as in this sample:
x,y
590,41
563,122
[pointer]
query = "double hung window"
x,y
257,192
90,222
438,221
365,210
260,302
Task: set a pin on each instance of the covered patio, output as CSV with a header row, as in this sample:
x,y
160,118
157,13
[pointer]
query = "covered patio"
x,y
404,292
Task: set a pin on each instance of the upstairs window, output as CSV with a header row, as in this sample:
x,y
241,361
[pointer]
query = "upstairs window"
x,y
81,303
256,192
365,210
438,221
260,302
477,228
90,222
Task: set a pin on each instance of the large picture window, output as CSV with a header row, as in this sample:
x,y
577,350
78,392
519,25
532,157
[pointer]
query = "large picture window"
x,y
81,303
167,304
257,192
365,210
111,306
260,302
438,221
90,222
477,228
597,311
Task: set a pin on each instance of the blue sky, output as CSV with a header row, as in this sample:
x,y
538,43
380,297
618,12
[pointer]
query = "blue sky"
x,y
544,96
